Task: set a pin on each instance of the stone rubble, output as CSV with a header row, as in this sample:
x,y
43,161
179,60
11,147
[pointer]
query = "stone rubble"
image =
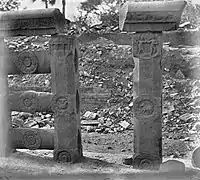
x,y
172,166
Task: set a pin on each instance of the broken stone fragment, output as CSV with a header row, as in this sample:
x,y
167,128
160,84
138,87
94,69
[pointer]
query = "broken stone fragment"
x,y
196,127
30,123
14,113
17,121
172,166
90,129
196,157
124,124
48,115
25,115
101,120
90,115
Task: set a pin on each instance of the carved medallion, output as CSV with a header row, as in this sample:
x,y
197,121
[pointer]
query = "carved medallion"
x,y
146,45
29,101
146,107
60,104
32,140
62,155
27,62
146,161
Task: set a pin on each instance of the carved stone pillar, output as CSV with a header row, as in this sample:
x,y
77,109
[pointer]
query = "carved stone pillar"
x,y
66,100
147,47
5,115
148,20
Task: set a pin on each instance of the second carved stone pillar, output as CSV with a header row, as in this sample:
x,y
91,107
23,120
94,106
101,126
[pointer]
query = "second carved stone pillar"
x,y
147,48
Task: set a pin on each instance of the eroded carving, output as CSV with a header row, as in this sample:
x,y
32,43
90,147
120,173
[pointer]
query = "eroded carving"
x,y
27,62
72,117
59,104
149,17
146,45
146,69
28,23
62,44
32,139
29,101
145,107
146,161
62,155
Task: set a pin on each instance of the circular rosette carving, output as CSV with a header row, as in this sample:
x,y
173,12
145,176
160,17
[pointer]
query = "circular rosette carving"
x,y
146,161
27,62
32,140
146,107
29,101
60,104
62,155
146,45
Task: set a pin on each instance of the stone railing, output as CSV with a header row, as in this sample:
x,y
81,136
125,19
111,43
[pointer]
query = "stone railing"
x,y
62,62
148,20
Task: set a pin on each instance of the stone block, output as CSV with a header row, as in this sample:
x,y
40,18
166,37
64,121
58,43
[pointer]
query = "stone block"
x,y
32,22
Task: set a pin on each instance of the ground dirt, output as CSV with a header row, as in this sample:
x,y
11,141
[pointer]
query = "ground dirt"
x,y
40,165
103,159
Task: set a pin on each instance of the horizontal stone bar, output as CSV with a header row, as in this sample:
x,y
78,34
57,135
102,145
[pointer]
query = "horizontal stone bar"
x,y
175,38
150,16
30,101
14,88
89,99
28,62
32,22
30,138
118,38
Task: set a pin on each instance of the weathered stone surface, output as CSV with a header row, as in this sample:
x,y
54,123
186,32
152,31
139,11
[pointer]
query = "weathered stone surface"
x,y
28,62
32,22
26,138
150,16
66,100
147,106
30,101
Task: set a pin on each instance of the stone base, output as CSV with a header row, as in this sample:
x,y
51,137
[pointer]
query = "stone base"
x,y
145,162
65,155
